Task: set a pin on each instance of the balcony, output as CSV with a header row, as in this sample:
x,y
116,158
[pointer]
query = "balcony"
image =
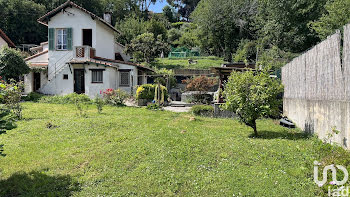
x,y
83,53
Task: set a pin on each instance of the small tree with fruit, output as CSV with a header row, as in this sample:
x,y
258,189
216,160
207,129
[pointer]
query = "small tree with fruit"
x,y
252,96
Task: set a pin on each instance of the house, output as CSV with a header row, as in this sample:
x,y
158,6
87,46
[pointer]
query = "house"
x,y
5,40
81,56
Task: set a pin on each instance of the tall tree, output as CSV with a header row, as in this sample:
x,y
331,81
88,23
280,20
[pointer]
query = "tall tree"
x,y
337,15
19,21
285,23
145,47
223,23
130,27
170,14
185,7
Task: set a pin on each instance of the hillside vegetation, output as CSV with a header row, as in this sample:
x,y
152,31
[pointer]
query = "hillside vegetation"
x,y
182,63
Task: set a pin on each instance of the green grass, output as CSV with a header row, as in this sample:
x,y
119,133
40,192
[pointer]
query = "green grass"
x,y
137,152
182,63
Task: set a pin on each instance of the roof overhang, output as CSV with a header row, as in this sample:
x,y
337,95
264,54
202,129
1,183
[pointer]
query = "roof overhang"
x,y
7,39
44,19
139,66
93,61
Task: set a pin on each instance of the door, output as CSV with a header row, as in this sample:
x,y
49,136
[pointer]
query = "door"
x,y
37,81
87,37
79,81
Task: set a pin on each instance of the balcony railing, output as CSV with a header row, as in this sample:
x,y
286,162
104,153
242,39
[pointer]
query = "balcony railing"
x,y
84,52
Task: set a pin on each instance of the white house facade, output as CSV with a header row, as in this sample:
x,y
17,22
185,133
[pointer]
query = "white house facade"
x,y
81,56
5,40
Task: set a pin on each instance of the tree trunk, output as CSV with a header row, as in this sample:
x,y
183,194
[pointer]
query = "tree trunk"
x,y
254,127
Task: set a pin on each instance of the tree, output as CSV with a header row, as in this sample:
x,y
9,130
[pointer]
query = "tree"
x,y
131,27
157,28
19,21
174,35
337,15
252,96
285,23
189,36
145,47
185,7
170,14
222,24
12,65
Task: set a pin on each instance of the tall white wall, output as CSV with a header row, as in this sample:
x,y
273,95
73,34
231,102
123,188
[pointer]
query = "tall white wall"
x,y
105,41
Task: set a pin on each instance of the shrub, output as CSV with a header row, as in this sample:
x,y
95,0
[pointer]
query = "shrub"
x,y
205,99
115,97
153,106
11,94
147,91
33,96
67,99
203,110
202,83
99,104
12,65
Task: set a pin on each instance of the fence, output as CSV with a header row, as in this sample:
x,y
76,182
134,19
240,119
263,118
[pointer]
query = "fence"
x,y
317,89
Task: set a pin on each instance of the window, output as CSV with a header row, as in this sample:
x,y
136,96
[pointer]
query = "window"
x,y
65,76
124,78
97,76
61,42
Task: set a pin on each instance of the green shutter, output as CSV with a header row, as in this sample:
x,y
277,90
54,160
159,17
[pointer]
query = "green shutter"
x,y
51,39
69,38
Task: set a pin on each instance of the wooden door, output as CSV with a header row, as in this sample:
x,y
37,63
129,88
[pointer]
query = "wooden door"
x,y
79,81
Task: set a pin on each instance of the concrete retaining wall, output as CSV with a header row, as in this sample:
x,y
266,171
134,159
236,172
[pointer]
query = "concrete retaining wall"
x,y
320,117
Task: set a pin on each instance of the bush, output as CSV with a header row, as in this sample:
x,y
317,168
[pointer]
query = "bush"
x,y
201,84
99,104
115,97
10,95
147,91
12,65
203,110
153,106
33,96
67,99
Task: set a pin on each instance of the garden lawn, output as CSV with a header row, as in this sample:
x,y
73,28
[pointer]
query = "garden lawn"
x,y
182,63
133,151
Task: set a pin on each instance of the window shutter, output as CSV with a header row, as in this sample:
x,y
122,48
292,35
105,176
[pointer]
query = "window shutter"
x,y
51,39
69,38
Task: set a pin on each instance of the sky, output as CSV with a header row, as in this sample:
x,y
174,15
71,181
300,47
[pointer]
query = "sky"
x,y
158,7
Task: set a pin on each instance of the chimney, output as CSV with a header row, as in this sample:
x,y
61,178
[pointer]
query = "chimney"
x,y
107,16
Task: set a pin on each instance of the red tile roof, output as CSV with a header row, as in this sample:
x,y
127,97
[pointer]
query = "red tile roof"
x,y
38,65
123,62
7,39
43,20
